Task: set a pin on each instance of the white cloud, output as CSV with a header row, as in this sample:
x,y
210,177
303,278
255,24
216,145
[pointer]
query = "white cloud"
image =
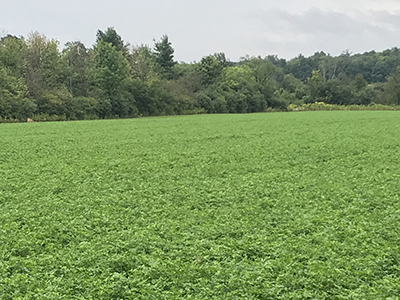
x,y
201,27
289,34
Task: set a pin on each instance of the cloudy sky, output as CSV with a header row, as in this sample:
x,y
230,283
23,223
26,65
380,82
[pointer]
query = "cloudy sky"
x,y
201,27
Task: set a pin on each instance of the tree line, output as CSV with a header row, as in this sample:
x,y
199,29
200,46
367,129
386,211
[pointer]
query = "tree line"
x,y
116,80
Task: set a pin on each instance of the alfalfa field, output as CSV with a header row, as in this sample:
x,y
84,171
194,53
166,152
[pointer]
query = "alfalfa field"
x,y
257,206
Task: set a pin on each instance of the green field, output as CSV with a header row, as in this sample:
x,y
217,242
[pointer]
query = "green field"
x,y
261,206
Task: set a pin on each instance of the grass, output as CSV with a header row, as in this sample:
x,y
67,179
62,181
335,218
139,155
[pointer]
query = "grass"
x,y
261,206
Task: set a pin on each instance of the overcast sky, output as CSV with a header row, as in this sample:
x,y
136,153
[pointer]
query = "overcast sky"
x,y
200,27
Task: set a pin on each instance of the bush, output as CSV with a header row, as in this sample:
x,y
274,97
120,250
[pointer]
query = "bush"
x,y
318,106
194,111
8,120
49,118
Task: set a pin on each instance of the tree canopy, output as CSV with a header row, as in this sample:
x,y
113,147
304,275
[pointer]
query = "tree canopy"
x,y
113,79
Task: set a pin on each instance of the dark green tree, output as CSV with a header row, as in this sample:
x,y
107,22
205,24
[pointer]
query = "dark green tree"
x,y
359,83
81,108
164,54
12,53
222,59
300,67
336,92
315,86
76,60
110,76
392,88
210,69
52,102
111,36
146,96
14,101
279,62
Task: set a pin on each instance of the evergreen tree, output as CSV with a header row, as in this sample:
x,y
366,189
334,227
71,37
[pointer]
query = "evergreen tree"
x,y
164,54
111,36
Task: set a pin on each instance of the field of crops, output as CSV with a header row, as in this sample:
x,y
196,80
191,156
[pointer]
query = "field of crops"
x,y
262,206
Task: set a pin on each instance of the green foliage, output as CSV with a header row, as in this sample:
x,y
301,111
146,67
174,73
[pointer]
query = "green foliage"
x,y
321,106
190,76
263,70
81,108
110,78
234,78
373,66
146,96
392,88
240,91
12,53
331,91
44,68
210,69
54,102
212,100
116,80
222,59
110,69
76,61
301,67
365,96
181,100
315,85
282,98
143,64
359,83
112,37
164,54
268,80
45,117
14,101
261,206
